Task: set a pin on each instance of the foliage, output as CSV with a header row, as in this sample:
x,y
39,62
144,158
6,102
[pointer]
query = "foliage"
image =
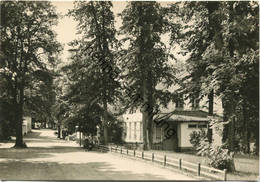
x,y
116,131
6,119
217,156
222,40
196,137
91,85
28,47
146,61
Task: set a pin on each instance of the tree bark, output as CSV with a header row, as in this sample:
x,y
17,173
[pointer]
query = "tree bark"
x,y
210,113
144,121
105,120
246,141
1,130
58,131
147,109
211,102
19,120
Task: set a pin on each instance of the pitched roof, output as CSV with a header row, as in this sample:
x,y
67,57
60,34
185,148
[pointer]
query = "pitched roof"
x,y
184,115
187,118
195,113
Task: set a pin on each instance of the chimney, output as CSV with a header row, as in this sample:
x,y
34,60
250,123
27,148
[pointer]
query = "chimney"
x,y
195,104
179,103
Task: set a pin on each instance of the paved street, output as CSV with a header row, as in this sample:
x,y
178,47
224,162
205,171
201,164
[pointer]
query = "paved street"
x,y
48,158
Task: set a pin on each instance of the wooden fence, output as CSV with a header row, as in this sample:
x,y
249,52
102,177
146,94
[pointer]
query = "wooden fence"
x,y
199,169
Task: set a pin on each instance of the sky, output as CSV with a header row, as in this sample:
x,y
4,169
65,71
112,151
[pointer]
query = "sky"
x,y
67,27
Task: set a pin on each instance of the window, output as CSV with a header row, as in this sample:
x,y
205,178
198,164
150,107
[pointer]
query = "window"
x,y
135,130
141,131
202,126
192,125
125,126
130,130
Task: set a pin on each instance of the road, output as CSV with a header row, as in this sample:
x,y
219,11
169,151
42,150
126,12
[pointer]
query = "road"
x,y
49,158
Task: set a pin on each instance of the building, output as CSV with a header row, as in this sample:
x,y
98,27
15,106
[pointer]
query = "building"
x,y
171,133
174,132
27,124
171,128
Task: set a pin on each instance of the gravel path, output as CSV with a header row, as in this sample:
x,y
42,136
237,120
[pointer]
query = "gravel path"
x,y
49,158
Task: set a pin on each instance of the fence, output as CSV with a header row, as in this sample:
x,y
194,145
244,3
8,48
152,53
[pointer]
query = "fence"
x,y
199,169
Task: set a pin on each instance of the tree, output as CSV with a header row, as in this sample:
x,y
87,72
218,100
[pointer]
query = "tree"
x,y
28,45
146,62
223,45
40,99
94,61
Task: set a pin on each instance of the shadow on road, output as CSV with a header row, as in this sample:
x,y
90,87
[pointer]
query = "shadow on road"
x,y
50,171
49,158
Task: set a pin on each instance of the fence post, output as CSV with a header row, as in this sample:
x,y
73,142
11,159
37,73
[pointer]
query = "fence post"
x,y
126,151
179,163
134,153
198,169
121,150
225,174
152,157
111,149
164,161
142,154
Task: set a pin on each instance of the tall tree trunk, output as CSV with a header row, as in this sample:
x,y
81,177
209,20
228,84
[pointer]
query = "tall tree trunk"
x,y
147,112
211,102
145,116
59,131
229,129
144,121
105,120
256,133
246,141
210,113
228,115
1,130
19,120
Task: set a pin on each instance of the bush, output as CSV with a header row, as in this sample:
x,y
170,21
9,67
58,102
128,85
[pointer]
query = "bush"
x,y
217,156
196,137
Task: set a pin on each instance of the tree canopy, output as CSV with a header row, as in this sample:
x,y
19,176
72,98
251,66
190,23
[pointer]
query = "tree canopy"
x,y
28,49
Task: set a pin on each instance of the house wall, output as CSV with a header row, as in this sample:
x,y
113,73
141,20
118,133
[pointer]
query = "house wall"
x,y
179,134
134,132
185,131
133,127
27,124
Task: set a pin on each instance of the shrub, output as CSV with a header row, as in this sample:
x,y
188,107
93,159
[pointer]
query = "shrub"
x,y
217,156
196,137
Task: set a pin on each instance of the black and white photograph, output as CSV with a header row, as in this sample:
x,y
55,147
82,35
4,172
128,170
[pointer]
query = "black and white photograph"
x,y
129,90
